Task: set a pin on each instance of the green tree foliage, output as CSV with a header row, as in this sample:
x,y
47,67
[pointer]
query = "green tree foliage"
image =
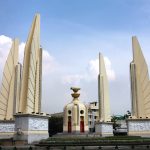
x,y
114,119
127,115
55,125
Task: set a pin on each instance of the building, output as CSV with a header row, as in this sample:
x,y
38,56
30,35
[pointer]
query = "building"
x,y
75,115
93,115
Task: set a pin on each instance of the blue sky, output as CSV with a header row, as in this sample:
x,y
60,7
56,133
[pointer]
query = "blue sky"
x,y
73,33
65,23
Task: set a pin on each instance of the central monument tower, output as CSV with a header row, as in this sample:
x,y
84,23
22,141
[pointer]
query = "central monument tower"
x,y
75,115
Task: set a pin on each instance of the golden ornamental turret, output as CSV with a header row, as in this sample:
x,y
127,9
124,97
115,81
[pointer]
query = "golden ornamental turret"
x,y
75,114
75,95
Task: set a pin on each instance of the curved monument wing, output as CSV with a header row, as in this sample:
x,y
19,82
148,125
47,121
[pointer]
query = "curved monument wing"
x,y
140,84
8,85
31,80
104,104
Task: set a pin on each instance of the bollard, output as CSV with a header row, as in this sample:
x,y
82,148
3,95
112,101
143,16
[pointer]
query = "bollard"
x,y
30,148
0,148
132,147
116,147
99,147
147,146
83,147
48,147
64,147
15,148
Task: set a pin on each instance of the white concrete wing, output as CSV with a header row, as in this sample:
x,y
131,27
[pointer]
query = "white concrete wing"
x,y
32,71
8,90
140,84
103,91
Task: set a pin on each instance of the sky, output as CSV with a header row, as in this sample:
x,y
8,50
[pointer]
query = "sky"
x,y
72,35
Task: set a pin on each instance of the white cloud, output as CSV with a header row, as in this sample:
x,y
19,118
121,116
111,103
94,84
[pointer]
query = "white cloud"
x,y
94,69
72,79
5,44
21,52
4,40
49,63
110,71
91,73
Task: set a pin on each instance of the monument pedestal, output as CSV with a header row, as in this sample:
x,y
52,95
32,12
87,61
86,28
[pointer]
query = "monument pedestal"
x,y
7,129
75,130
138,127
104,128
31,128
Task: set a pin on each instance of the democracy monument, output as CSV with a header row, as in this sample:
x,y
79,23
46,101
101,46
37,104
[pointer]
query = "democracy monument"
x,y
21,89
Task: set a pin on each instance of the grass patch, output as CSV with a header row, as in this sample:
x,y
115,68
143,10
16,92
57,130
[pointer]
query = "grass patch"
x,y
113,139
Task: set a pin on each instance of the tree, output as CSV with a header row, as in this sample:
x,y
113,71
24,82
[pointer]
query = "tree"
x,y
114,119
55,125
127,115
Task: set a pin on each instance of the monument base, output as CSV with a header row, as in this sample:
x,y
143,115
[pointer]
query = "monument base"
x,y
104,129
31,128
75,130
138,127
7,129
